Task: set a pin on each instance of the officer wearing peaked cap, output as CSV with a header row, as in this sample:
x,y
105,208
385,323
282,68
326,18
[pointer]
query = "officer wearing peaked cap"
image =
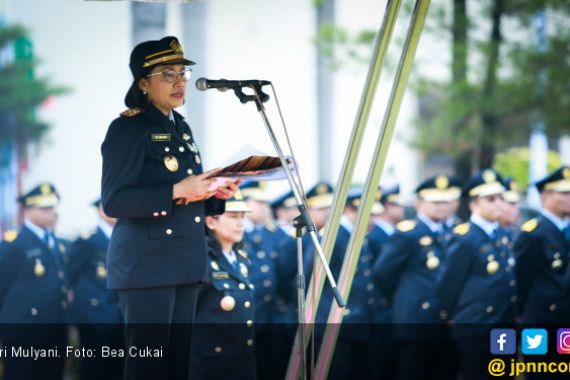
x,y
284,209
406,273
95,309
263,241
223,343
510,212
542,254
352,349
383,351
476,285
153,183
34,288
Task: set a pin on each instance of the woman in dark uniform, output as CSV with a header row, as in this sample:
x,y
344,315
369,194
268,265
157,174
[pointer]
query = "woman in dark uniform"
x,y
154,184
223,339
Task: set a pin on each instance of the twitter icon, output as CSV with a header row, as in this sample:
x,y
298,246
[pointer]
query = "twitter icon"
x,y
534,341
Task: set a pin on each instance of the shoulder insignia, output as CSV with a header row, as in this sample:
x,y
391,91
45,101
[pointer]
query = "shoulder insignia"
x,y
529,226
10,236
462,229
242,253
132,112
406,225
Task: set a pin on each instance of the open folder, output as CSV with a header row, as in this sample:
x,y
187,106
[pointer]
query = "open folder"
x,y
252,165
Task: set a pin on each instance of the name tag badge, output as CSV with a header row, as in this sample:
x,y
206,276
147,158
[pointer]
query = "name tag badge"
x,y
220,275
159,137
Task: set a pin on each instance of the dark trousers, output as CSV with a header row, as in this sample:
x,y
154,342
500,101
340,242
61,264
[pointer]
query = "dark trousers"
x,y
158,319
427,360
94,337
44,336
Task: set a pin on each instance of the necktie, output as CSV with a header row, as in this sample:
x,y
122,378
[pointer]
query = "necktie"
x,y
51,242
566,232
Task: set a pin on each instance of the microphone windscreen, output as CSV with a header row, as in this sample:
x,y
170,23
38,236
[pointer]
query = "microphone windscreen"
x,y
202,84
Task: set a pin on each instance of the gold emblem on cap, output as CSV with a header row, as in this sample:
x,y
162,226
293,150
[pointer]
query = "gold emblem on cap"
x,y
441,182
489,176
426,240
175,45
214,265
513,186
566,173
493,266
39,269
243,269
185,136
45,189
228,303
101,270
432,261
322,189
238,196
171,163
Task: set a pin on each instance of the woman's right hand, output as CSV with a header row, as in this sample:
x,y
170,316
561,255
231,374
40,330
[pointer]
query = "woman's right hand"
x,y
195,187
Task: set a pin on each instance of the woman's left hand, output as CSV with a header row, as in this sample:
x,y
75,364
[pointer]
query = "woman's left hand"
x,y
228,191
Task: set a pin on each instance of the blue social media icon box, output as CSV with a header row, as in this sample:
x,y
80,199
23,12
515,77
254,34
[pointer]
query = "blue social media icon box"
x,y
534,341
503,341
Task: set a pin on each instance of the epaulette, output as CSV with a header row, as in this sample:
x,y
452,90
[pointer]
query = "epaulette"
x,y
87,234
406,225
132,112
271,227
529,226
243,254
462,229
10,235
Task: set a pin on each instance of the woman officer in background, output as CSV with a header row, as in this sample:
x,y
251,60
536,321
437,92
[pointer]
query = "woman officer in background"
x,y
154,184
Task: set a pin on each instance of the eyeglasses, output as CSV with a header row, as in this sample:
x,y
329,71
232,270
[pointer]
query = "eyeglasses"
x,y
171,75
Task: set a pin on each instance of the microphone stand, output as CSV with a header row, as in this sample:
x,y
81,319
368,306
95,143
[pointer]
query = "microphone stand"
x,y
302,221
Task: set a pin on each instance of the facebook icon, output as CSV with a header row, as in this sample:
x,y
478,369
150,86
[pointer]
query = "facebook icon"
x,y
503,341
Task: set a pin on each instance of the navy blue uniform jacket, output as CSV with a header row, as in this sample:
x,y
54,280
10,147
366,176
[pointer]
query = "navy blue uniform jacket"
x,y
93,302
542,256
155,242
33,285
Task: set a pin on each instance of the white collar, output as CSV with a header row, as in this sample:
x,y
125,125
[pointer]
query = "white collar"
x,y
485,225
37,230
388,228
105,227
230,256
346,224
432,224
559,223
171,117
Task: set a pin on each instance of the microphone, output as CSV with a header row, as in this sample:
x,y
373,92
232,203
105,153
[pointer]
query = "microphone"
x,y
204,84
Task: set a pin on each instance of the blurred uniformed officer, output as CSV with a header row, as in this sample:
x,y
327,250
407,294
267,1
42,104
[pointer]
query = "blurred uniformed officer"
x,y
153,183
406,273
95,309
385,215
352,348
223,343
34,290
452,219
542,254
510,212
264,243
284,209
476,286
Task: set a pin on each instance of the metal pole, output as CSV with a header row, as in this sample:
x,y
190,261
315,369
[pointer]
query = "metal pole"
x,y
347,172
386,132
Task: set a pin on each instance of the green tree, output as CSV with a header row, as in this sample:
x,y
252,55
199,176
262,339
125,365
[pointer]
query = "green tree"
x,y
22,92
500,82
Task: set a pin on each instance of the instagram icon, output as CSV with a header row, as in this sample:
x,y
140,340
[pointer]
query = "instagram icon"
x,y
563,341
